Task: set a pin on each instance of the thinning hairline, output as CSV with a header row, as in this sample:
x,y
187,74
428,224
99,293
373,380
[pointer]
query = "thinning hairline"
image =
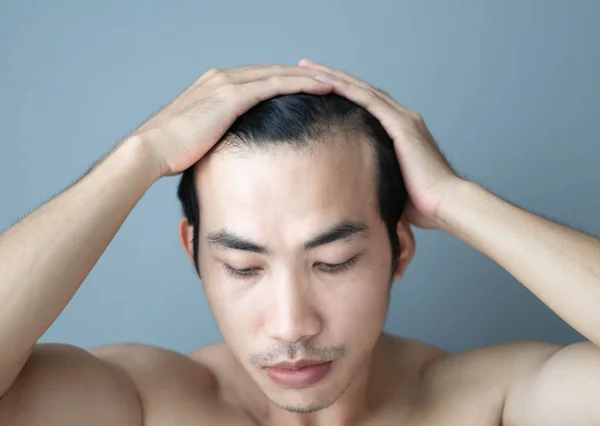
x,y
325,135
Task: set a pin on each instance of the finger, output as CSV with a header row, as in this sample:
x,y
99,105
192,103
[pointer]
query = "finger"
x,y
261,73
253,92
385,113
347,77
216,72
247,74
307,63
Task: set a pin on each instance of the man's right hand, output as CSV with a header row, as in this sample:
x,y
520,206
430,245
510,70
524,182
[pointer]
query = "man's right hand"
x,y
181,133
45,257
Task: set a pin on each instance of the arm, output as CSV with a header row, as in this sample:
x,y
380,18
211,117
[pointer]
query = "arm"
x,y
45,257
561,266
558,264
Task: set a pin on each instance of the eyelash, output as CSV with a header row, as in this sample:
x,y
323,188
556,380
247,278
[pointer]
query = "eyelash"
x,y
239,273
332,269
338,268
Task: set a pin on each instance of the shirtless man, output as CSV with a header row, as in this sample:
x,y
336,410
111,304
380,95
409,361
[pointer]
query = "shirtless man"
x,y
296,264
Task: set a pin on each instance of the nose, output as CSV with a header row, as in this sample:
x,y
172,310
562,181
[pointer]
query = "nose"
x,y
292,315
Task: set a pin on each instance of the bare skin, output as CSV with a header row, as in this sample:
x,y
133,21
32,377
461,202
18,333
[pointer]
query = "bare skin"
x,y
379,379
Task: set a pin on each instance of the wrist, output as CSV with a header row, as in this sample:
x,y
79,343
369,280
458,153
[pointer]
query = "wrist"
x,y
451,210
136,152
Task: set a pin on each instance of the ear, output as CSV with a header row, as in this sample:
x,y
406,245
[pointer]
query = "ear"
x,y
186,236
407,247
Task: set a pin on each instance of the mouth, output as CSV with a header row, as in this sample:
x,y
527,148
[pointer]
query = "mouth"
x,y
298,374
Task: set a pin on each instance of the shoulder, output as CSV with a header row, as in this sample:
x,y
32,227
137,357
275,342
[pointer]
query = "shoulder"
x,y
496,365
179,389
494,360
476,383
145,363
489,384
173,388
487,377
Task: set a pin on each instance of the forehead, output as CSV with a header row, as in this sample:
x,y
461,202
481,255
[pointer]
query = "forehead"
x,y
277,186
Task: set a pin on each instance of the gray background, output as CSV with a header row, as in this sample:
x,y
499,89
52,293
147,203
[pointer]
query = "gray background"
x,y
510,89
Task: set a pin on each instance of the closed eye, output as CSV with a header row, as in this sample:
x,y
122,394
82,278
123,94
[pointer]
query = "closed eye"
x,y
337,268
330,268
240,273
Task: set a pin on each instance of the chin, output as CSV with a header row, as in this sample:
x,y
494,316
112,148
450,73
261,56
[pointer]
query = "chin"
x,y
307,399
302,400
306,408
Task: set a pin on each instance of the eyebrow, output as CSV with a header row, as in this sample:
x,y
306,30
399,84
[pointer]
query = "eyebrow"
x,y
341,232
225,239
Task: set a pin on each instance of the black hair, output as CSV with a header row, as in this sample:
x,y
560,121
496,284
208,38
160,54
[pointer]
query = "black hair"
x,y
296,121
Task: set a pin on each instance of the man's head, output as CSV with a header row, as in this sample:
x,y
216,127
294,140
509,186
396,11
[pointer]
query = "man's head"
x,y
294,222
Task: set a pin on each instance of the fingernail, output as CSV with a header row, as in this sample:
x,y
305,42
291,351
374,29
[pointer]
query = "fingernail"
x,y
307,61
324,79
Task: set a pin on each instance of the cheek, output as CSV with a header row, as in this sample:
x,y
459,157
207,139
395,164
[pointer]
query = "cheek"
x,y
359,307
227,307
235,314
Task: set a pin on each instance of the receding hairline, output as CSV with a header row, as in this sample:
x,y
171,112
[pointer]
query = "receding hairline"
x,y
343,138
337,132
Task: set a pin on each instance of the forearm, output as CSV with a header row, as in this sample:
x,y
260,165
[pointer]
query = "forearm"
x,y
560,265
46,256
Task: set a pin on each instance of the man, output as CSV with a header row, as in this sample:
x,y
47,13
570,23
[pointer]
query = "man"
x,y
295,253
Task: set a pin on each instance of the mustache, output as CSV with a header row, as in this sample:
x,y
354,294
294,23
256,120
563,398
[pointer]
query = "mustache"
x,y
292,350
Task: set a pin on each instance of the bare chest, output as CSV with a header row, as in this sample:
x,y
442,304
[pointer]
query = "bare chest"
x,y
469,412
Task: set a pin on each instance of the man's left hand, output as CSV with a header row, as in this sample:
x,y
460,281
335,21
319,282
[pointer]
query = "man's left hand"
x,y
429,178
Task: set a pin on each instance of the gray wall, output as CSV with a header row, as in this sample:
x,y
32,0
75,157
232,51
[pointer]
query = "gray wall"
x,y
509,88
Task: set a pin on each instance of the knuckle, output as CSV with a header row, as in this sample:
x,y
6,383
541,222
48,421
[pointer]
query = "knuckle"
x,y
213,72
417,117
371,96
276,81
416,122
221,78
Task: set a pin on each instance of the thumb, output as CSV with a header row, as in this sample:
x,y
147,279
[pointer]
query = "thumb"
x,y
414,217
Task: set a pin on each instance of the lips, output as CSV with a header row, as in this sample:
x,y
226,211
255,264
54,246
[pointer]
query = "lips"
x,y
298,374
296,365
